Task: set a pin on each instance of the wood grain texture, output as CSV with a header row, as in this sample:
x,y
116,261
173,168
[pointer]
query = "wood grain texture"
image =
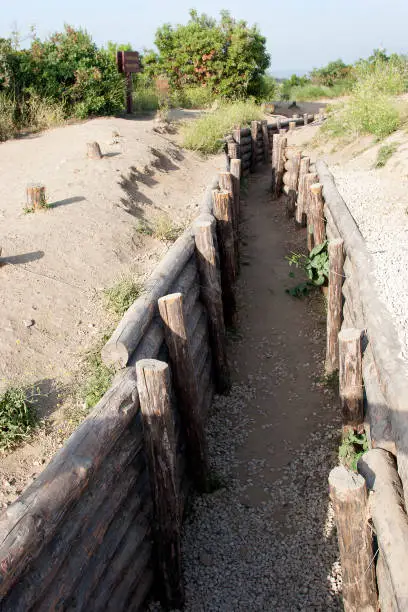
x,y
334,304
351,377
348,494
225,238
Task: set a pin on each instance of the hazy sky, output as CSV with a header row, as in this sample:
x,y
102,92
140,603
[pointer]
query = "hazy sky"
x,y
304,35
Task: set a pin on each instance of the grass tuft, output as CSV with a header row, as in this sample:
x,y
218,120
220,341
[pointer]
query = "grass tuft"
x,y
98,379
352,447
164,228
206,133
17,417
122,294
384,154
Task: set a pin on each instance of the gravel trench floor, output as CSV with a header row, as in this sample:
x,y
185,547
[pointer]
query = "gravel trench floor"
x,y
265,539
379,204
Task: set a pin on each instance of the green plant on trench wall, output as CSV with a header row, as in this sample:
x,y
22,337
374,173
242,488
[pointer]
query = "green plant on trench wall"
x,y
315,265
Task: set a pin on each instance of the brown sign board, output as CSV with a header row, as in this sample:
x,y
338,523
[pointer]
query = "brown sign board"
x,y
128,61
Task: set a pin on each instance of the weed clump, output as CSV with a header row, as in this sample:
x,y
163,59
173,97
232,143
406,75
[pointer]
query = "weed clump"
x,y
352,447
384,154
17,417
206,133
98,379
122,294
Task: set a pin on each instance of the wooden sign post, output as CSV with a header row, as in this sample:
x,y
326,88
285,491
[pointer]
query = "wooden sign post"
x,y
128,62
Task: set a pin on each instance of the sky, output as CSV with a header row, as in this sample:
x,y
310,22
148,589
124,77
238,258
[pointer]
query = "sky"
x,y
300,37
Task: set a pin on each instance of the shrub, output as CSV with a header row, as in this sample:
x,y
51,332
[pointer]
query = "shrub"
x,y
42,113
122,294
17,417
192,97
163,228
7,111
384,154
352,447
206,133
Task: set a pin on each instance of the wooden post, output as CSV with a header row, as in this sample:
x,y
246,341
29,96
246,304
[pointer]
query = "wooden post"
x,y
348,494
228,182
282,131
36,196
233,150
129,93
300,212
278,125
317,214
225,234
351,377
275,152
305,119
185,383
293,184
254,144
309,179
334,304
292,126
153,383
235,169
280,165
210,289
93,150
265,137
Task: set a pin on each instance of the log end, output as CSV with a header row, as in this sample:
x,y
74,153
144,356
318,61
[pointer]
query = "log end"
x,y
345,482
115,354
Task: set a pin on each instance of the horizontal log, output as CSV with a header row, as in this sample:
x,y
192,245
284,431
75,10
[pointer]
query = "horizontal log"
x,y
284,123
124,574
386,597
150,344
351,295
30,523
245,132
194,318
388,514
132,327
392,370
136,511
85,517
246,157
63,586
140,594
206,203
377,414
245,141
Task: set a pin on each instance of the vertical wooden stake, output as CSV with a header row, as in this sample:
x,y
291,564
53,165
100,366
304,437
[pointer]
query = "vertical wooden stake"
x,y
278,125
233,150
225,234
36,198
292,126
210,289
185,383
305,119
309,179
334,304
282,132
235,169
300,212
265,137
129,93
228,183
280,165
153,382
293,184
351,377
93,150
317,214
275,152
254,144
348,494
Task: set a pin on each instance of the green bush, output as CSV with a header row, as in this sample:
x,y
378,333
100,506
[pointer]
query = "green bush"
x,y
206,133
192,97
17,417
384,154
7,113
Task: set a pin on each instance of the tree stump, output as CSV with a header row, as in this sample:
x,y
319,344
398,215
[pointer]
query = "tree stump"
x,y
36,196
153,383
351,377
94,150
348,494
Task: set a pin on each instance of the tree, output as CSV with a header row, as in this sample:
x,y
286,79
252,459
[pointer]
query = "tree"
x,y
227,56
331,74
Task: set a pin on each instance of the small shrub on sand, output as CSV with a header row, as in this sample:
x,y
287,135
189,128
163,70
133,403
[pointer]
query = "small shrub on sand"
x,y
122,294
164,228
206,133
17,417
384,154
42,113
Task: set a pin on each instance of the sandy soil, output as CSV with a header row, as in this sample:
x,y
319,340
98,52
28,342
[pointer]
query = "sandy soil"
x,y
57,262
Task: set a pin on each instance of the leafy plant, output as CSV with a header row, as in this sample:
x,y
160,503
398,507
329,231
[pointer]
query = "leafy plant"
x,y
163,228
206,133
316,266
385,153
17,417
122,294
352,447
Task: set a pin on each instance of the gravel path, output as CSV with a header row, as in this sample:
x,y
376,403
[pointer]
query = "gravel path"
x,y
265,540
379,205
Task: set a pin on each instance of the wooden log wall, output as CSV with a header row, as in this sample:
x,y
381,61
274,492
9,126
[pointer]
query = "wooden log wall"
x,y
383,377
81,536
